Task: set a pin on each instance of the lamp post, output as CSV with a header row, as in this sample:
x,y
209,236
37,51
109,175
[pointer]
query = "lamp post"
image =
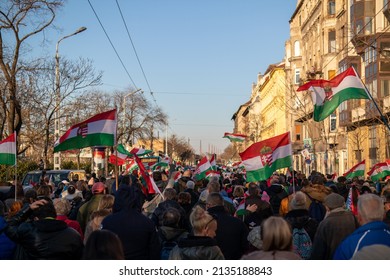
x,y
124,107
57,156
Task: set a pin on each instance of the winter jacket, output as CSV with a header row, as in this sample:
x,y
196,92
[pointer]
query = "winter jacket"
x,y
231,234
331,231
48,239
366,235
196,248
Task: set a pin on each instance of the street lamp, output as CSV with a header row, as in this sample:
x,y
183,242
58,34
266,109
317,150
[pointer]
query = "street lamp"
x,y
57,156
124,107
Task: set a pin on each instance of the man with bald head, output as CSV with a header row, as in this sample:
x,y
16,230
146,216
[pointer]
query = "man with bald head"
x,y
372,230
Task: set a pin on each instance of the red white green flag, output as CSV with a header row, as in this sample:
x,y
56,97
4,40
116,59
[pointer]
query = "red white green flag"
x,y
356,171
202,168
379,171
234,137
261,159
328,95
120,156
99,130
140,151
8,150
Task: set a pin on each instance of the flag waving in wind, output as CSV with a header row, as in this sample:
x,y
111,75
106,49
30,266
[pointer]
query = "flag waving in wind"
x,y
99,130
8,150
261,159
356,171
234,137
328,95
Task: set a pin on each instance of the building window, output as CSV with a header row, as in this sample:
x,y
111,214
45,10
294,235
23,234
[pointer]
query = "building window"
x,y
331,7
333,122
297,76
297,48
332,41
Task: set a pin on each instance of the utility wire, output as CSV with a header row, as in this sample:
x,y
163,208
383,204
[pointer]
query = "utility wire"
x,y
112,45
135,51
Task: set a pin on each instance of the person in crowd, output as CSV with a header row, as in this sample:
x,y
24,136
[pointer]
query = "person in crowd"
x,y
136,231
231,234
169,232
63,207
301,223
200,245
84,213
338,224
103,245
45,237
190,188
372,230
7,247
277,241
95,222
170,200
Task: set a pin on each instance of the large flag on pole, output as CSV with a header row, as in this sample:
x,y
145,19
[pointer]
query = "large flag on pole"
x,y
202,168
328,95
8,150
120,156
99,130
356,171
234,137
261,159
379,171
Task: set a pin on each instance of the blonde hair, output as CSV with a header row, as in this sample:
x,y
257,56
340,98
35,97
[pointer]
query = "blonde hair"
x,y
62,206
199,219
106,202
276,234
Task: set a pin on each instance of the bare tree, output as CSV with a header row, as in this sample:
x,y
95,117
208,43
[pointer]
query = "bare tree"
x,y
19,21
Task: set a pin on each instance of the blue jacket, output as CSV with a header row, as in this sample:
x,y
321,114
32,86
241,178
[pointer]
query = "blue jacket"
x,y
366,235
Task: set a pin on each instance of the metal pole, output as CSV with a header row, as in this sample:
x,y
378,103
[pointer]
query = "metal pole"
x,y
57,156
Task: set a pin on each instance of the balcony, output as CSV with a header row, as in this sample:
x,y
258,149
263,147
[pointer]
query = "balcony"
x,y
358,114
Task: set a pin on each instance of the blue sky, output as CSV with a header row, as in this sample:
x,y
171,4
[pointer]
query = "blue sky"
x,y
199,57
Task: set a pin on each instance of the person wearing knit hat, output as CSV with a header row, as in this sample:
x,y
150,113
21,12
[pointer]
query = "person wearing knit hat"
x,y
337,225
83,215
333,201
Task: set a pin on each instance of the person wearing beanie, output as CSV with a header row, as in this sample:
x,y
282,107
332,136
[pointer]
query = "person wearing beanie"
x,y
85,211
190,189
337,224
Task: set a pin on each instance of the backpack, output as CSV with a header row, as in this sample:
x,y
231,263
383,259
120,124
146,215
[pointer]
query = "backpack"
x,y
302,244
166,249
316,209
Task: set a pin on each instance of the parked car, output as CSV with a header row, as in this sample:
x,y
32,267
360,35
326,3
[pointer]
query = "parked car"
x,y
56,176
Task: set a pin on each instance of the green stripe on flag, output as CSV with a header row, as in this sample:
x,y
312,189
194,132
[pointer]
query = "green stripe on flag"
x,y
78,142
7,159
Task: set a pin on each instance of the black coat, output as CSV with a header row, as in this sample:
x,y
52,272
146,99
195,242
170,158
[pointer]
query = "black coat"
x,y
231,234
47,239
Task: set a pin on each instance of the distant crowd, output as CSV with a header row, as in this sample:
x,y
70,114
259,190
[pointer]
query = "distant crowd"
x,y
293,217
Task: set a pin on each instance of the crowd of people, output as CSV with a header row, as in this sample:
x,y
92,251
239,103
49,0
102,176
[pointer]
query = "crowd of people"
x,y
221,217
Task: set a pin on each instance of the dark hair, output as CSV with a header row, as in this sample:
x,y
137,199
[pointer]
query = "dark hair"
x,y
45,211
103,245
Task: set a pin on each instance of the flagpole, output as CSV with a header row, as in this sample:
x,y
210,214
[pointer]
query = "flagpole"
x,y
383,118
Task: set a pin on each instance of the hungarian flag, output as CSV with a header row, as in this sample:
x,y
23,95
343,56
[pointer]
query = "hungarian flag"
x,y
152,187
328,95
99,130
213,162
120,156
8,150
261,159
202,168
140,152
234,137
356,171
379,171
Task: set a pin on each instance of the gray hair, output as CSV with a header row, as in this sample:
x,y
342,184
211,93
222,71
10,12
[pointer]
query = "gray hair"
x,y
370,208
